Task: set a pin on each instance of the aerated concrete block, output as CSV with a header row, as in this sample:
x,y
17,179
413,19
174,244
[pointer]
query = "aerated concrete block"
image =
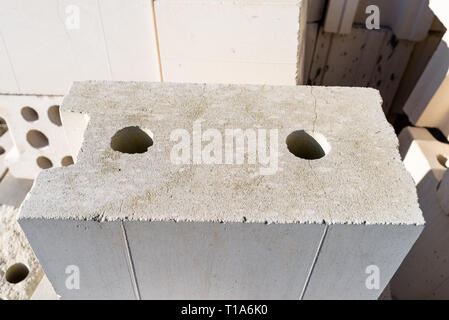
x,y
424,272
35,126
166,200
238,41
45,46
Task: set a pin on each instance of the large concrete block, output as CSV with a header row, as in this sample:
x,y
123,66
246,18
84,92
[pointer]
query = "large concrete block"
x,y
424,272
35,126
243,41
166,200
45,46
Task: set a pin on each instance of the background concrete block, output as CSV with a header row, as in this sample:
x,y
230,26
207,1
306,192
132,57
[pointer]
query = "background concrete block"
x,y
409,19
36,129
424,272
340,16
128,197
45,46
363,58
427,105
20,272
258,42
14,190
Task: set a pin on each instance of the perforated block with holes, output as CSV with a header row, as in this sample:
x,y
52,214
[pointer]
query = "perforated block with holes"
x,y
35,126
20,272
156,205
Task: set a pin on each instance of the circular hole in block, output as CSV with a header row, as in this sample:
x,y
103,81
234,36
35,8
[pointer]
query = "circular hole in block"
x,y
54,116
443,160
29,114
37,139
2,150
44,162
305,145
67,161
132,140
16,273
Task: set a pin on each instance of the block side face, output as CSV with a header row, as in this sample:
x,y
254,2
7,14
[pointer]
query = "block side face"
x,y
187,260
352,256
260,46
82,259
281,188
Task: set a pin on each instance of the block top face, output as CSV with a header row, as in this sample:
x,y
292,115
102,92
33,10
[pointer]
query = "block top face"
x,y
166,151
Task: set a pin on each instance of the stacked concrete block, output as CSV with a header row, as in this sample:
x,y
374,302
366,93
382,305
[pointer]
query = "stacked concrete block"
x,y
424,272
362,58
149,210
427,105
45,46
243,41
35,126
20,272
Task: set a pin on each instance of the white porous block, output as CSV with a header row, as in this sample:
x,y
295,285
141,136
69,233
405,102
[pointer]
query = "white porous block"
x,y
242,41
46,45
409,19
141,218
36,129
424,272
20,272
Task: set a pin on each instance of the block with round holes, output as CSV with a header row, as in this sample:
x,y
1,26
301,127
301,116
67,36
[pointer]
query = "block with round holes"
x,y
35,126
423,274
20,272
223,191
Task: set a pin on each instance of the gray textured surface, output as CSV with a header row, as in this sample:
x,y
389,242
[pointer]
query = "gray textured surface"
x,y
361,180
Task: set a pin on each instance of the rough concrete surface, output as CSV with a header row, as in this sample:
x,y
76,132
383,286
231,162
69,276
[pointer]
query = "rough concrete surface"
x,y
15,249
112,197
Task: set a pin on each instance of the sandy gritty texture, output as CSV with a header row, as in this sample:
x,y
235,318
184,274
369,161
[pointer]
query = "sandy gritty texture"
x,y
361,180
14,248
